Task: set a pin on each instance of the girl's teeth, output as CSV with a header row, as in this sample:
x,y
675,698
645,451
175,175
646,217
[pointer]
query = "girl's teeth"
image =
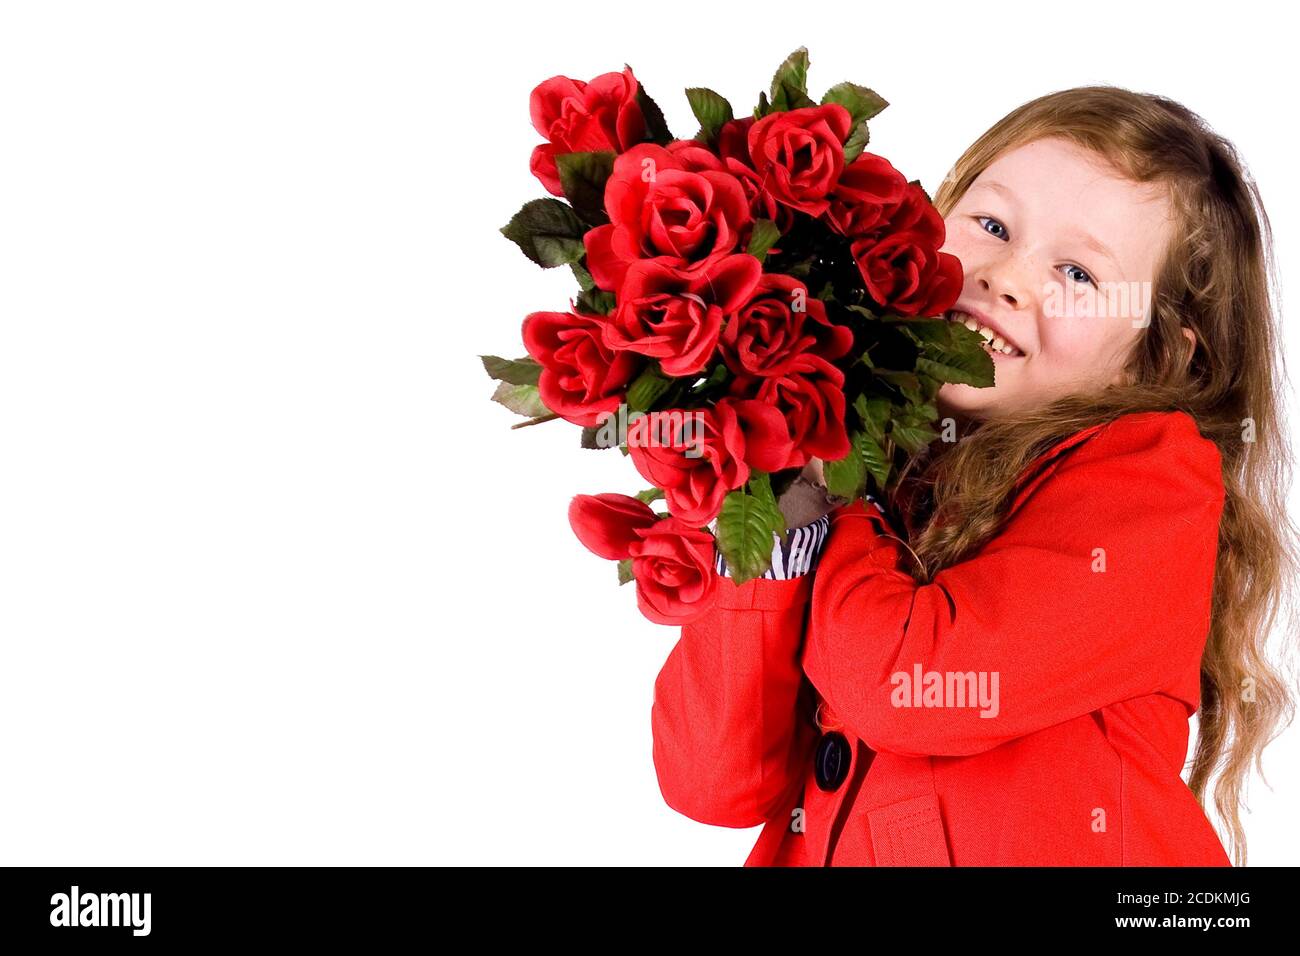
x,y
994,341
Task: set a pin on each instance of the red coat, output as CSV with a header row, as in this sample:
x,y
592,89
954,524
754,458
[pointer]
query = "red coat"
x,y
1097,655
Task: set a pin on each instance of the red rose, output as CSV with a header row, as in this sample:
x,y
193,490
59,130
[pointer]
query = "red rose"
x,y
799,154
915,213
901,265
869,191
907,276
695,156
578,117
809,396
581,376
675,315
696,456
781,321
676,202
608,524
673,568
733,148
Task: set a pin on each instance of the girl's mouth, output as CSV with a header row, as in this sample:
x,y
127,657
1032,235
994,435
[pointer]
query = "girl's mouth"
x,y
994,343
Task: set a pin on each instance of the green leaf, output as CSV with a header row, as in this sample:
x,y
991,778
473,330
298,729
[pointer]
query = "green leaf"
x,y
711,109
956,355
874,413
583,177
520,371
763,237
585,281
790,83
760,486
798,270
763,108
650,494
744,532
861,102
906,382
625,571
919,414
912,438
595,301
960,368
857,142
922,330
520,399
547,231
646,389
875,458
846,476
656,127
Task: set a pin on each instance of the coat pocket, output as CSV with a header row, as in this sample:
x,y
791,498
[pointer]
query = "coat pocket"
x,y
909,833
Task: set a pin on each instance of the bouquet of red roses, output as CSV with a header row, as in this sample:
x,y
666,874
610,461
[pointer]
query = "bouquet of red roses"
x,y
761,294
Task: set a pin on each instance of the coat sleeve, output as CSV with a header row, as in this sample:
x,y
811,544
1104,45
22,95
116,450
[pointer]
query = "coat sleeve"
x,y
731,717
1097,590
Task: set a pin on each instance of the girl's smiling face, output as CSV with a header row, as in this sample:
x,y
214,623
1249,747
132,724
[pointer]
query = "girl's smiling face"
x,y
1059,254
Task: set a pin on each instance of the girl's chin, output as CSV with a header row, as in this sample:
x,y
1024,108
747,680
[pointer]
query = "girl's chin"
x,y
965,402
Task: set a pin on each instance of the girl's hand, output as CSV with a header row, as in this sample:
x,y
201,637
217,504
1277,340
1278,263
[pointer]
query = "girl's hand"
x,y
807,499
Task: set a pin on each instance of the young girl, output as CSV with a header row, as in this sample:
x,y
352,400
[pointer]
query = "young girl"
x,y
1007,676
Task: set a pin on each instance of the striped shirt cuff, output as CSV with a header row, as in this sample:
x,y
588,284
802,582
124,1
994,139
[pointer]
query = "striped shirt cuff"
x,y
793,558
796,557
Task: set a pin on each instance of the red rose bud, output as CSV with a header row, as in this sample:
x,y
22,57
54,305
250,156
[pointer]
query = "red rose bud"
x,y
809,397
583,117
679,203
581,377
673,568
696,456
869,191
799,154
780,322
609,524
917,214
908,276
675,314
901,265
733,148
767,440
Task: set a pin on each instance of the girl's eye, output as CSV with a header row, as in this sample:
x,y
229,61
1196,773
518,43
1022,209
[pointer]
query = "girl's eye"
x,y
1083,276
1086,280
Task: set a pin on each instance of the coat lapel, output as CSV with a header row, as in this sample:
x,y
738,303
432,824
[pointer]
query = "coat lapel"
x,y
1037,471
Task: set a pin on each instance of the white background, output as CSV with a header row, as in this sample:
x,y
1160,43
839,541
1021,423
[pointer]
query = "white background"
x,y
278,584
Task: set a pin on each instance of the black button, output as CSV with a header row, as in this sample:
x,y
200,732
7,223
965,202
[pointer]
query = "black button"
x,y
831,762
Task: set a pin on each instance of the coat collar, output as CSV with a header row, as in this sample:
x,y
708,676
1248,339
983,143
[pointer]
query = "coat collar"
x,y
1062,445
1037,470
1030,476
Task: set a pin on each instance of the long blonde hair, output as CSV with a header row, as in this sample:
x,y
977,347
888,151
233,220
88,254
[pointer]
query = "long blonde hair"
x,y
1215,279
